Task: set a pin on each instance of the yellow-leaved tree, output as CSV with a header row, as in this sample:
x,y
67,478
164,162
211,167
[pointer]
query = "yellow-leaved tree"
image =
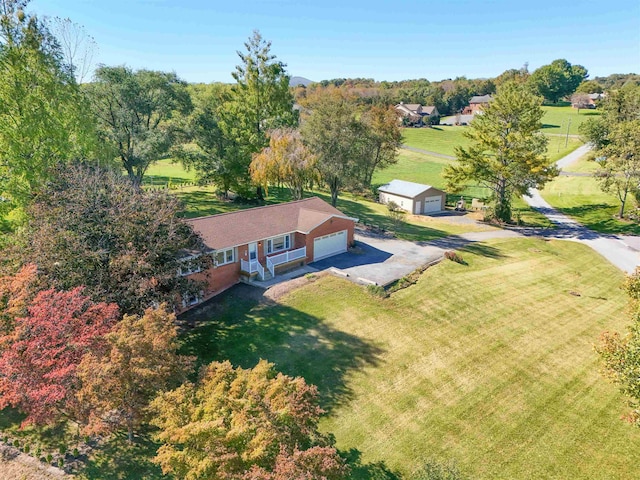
x,y
285,161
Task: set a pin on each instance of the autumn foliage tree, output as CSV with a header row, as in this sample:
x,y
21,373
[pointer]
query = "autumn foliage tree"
x,y
92,227
39,358
234,419
315,463
16,292
621,354
286,160
139,361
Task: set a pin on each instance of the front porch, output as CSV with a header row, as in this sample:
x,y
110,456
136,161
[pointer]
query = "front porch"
x,y
255,268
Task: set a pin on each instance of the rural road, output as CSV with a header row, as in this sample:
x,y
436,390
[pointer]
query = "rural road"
x,y
613,248
428,152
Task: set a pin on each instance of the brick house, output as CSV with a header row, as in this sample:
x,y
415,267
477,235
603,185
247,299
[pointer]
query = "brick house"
x,y
476,104
257,243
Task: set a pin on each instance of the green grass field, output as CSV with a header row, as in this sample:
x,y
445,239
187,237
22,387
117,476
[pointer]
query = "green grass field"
x,y
166,172
582,199
490,364
441,139
556,119
444,140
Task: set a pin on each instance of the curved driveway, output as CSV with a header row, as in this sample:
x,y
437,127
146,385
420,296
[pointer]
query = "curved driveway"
x,y
612,247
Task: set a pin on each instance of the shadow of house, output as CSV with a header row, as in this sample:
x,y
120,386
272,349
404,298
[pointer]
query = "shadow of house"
x,y
367,255
241,326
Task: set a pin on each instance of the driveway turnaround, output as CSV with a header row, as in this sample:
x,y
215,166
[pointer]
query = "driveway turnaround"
x,y
380,260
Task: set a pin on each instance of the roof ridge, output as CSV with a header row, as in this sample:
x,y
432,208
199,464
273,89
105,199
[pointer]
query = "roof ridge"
x,y
253,208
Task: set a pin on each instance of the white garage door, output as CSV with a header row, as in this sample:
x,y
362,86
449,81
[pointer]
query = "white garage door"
x,y
432,204
329,245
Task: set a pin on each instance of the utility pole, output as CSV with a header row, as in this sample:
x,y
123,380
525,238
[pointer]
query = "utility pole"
x,y
566,142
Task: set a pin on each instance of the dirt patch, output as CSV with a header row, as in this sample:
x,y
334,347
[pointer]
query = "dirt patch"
x,y
281,289
16,465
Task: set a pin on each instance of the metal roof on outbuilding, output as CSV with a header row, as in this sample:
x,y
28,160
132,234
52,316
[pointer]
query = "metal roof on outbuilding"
x,y
405,189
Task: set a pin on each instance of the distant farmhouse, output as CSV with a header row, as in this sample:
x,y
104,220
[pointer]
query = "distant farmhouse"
x,y
414,114
477,104
585,100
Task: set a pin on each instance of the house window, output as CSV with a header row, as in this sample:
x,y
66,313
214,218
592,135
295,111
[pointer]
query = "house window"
x,y
277,244
188,267
190,299
224,256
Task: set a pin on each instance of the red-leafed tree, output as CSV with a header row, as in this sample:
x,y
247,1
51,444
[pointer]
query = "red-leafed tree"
x,y
39,358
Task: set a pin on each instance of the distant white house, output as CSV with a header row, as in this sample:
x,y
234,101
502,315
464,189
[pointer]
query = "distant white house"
x,y
415,198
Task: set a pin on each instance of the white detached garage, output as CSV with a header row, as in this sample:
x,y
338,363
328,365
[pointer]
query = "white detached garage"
x,y
416,198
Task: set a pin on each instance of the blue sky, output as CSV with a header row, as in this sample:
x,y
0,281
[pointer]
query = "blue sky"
x,y
385,40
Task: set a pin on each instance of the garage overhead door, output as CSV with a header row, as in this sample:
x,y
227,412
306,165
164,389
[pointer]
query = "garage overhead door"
x,y
329,245
432,204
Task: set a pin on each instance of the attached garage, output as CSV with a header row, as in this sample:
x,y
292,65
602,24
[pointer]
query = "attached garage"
x,y
329,245
416,198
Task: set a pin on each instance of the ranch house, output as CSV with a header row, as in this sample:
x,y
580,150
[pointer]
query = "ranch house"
x,y
257,243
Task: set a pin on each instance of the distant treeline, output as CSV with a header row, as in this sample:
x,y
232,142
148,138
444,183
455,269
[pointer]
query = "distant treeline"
x,y
449,96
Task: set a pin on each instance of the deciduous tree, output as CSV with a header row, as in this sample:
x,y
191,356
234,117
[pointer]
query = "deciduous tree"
x,y
16,293
315,463
209,150
92,227
621,354
332,132
139,361
42,119
134,112
557,80
616,140
234,419
620,166
39,358
381,143
286,160
507,152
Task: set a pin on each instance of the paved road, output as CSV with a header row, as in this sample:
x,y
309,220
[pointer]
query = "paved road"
x,y
615,249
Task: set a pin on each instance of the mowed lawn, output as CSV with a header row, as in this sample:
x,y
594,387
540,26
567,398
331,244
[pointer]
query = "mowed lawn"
x,y
443,140
582,199
489,364
558,119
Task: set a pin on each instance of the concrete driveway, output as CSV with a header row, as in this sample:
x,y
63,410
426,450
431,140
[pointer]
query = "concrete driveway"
x,y
380,260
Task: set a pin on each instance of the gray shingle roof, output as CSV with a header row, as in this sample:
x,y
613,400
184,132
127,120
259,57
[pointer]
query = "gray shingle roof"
x,y
481,99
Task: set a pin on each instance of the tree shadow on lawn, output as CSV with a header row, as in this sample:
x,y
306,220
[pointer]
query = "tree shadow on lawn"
x,y
117,459
164,180
367,471
548,125
242,326
597,217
